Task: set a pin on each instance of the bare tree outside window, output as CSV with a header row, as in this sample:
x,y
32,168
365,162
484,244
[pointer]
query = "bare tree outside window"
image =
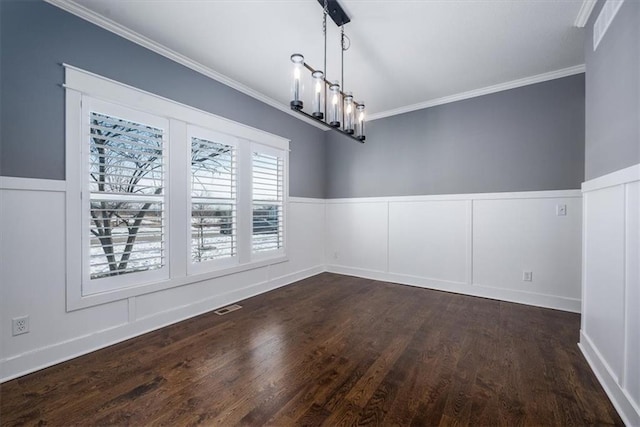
x,y
126,172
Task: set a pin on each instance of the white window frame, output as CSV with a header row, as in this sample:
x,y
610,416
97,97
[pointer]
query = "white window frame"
x,y
210,135
93,286
82,87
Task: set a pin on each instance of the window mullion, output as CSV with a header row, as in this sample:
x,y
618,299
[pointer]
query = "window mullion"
x,y
178,210
244,202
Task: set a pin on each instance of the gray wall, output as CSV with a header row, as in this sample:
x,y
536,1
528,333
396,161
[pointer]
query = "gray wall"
x,y
36,37
529,138
613,93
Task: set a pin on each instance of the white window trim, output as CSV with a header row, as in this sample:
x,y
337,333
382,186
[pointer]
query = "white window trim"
x,y
80,83
93,286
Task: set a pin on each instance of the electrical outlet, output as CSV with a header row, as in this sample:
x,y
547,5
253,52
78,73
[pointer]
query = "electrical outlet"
x,y
20,325
527,276
561,210
335,255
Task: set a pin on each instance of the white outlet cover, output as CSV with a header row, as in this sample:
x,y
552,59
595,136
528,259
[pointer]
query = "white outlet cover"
x,y
20,325
561,210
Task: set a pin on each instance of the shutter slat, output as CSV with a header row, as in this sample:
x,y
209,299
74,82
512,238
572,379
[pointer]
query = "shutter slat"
x,y
115,152
120,166
124,185
125,142
99,196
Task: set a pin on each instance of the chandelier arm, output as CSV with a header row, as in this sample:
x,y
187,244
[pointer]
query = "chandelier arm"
x,y
325,124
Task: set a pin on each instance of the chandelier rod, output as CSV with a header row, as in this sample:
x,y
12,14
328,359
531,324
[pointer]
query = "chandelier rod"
x,y
324,70
342,57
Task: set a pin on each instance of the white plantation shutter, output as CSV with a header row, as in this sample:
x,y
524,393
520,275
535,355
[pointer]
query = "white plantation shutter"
x,y
159,194
267,202
213,200
126,174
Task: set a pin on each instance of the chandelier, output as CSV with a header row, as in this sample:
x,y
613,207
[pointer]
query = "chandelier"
x,y
342,113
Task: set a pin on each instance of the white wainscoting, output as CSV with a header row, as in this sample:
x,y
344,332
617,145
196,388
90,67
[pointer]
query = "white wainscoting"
x,y
32,274
475,244
610,335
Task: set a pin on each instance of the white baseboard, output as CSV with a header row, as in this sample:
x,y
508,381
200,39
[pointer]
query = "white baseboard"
x,y
627,410
538,300
44,357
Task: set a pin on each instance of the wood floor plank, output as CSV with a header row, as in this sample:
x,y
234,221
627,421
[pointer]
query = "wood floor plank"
x,y
330,350
328,387
397,390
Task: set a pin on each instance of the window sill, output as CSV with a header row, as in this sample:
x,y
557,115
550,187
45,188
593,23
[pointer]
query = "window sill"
x,y
146,288
226,271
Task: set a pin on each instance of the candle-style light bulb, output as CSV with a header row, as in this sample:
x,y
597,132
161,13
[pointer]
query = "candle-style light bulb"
x,y
360,124
296,86
318,104
348,113
335,111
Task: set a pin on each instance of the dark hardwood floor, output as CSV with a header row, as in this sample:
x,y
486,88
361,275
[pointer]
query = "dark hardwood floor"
x,y
332,350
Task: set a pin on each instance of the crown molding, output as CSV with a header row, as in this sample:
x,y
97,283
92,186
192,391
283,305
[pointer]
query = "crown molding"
x,y
109,25
584,13
539,78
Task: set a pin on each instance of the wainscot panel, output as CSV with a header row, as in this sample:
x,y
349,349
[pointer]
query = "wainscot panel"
x,y
610,333
475,244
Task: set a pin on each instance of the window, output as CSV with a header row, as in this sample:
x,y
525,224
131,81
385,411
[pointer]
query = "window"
x,y
267,202
125,177
126,181
213,198
160,194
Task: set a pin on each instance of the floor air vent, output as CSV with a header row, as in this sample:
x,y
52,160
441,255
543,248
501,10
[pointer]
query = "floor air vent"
x,y
227,309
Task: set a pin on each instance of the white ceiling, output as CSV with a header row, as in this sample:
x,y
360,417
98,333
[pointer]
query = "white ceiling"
x,y
402,52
